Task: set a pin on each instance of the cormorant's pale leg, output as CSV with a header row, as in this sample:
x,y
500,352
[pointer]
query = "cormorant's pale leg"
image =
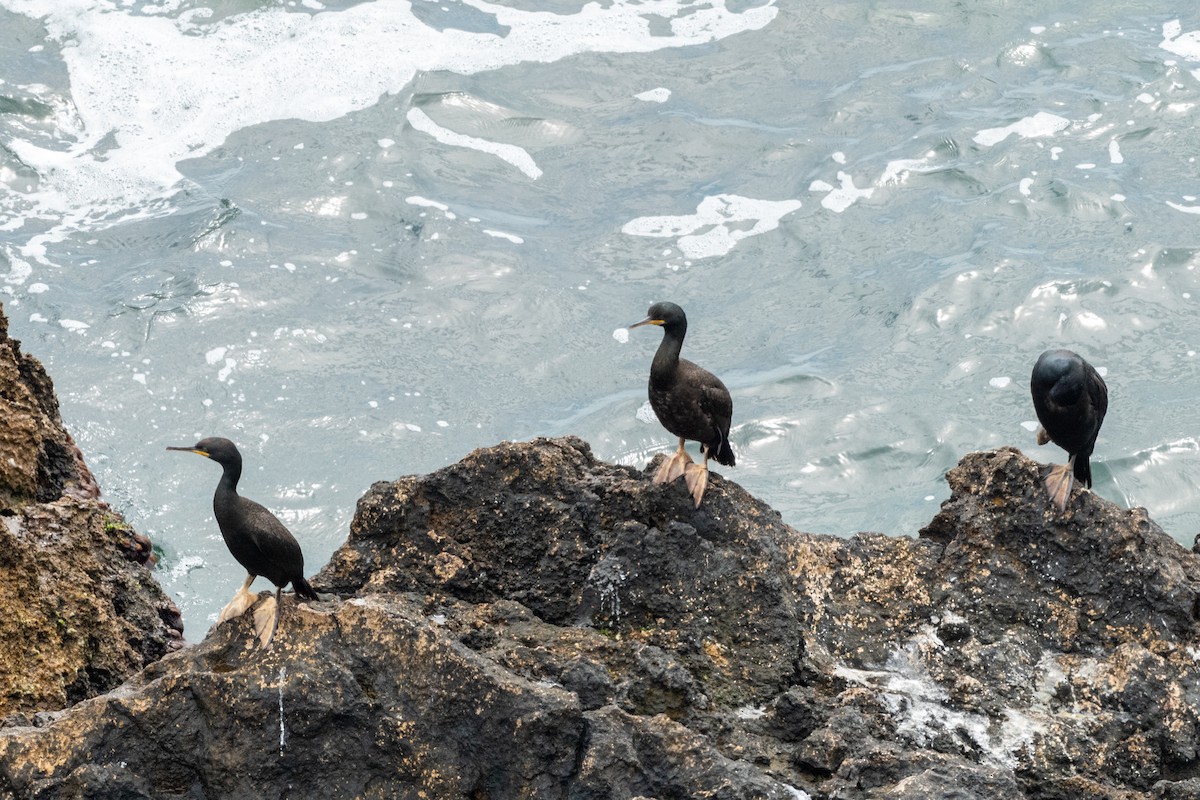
x,y
1059,483
696,476
1042,436
674,466
240,602
266,619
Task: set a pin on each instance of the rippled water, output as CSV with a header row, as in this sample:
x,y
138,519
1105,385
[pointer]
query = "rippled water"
x,y
362,239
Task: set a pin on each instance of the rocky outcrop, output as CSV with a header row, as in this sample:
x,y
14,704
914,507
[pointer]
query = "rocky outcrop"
x,y
534,623
79,610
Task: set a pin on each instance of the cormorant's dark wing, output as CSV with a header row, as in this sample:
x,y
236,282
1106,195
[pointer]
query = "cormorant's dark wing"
x,y
717,403
1098,391
273,540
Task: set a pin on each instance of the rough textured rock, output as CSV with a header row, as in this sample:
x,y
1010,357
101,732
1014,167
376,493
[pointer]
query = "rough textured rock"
x,y
79,611
38,458
533,623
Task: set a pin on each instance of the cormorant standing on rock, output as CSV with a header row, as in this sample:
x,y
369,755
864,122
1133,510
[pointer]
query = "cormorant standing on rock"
x,y
1070,399
256,538
689,401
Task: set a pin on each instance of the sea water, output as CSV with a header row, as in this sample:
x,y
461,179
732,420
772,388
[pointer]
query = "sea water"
x,y
362,239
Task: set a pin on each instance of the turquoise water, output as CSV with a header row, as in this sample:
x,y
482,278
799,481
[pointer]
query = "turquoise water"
x,y
362,239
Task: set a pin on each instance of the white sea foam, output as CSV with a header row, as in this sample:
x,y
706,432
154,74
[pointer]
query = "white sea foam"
x,y
645,413
1183,208
710,231
896,172
839,198
148,91
1040,124
19,272
512,237
517,156
184,565
417,200
659,95
1182,44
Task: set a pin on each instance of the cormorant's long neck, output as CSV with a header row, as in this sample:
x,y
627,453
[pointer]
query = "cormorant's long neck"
x,y
229,478
666,360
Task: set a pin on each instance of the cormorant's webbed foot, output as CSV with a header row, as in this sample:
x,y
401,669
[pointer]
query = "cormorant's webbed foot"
x,y
1059,483
674,466
696,476
266,619
241,601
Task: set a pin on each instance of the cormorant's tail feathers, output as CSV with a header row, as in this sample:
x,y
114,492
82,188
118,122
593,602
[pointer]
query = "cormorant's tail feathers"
x,y
1083,469
303,590
724,454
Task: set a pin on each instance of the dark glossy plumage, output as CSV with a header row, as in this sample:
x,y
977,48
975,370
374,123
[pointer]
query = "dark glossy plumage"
x,y
255,537
688,400
1071,399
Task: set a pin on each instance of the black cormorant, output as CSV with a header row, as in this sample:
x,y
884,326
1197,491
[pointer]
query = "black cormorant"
x,y
255,537
1070,399
689,401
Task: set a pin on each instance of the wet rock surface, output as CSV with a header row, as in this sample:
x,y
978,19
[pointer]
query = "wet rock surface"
x,y
79,610
534,623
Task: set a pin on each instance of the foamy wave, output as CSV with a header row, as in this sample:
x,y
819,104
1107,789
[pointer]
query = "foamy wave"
x,y
149,91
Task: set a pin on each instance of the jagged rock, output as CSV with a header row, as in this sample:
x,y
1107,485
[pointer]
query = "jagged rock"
x,y
38,458
533,623
78,611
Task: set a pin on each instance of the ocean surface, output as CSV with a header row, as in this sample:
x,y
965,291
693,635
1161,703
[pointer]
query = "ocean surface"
x,y
363,239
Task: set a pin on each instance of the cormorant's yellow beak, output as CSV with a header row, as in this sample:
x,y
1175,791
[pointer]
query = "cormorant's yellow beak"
x,y
648,321
190,450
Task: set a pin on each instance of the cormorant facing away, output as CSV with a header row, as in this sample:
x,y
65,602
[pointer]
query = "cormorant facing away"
x,y
256,538
1070,399
689,401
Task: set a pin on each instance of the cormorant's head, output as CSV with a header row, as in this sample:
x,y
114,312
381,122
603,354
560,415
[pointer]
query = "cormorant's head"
x,y
1059,374
218,449
667,315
